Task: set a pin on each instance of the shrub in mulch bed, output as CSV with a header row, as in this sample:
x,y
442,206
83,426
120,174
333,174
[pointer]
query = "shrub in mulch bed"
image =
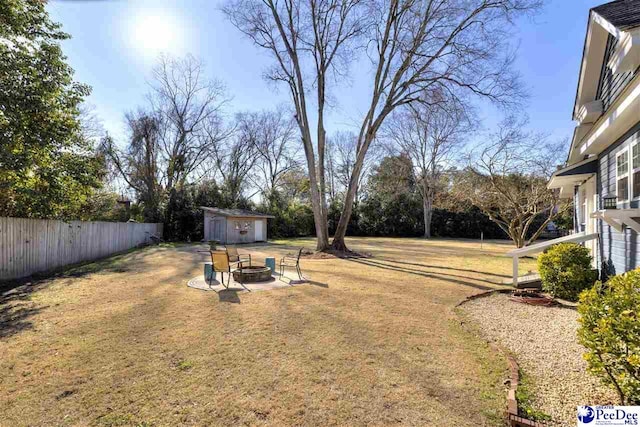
x,y
610,331
565,270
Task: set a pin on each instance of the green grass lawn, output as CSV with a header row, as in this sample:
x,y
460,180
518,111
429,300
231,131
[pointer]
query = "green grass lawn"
x,y
370,341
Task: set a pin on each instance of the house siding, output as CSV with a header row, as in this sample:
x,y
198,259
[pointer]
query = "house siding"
x,y
618,251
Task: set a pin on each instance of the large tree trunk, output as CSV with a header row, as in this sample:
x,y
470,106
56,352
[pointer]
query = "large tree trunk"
x,y
338,243
320,219
317,204
516,236
427,206
321,173
367,134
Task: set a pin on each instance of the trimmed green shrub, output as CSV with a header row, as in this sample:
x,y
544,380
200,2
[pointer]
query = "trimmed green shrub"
x,y
610,330
565,270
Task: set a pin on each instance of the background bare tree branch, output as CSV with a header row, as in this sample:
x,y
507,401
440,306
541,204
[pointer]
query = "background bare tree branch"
x,y
432,137
431,51
507,179
272,134
188,107
310,41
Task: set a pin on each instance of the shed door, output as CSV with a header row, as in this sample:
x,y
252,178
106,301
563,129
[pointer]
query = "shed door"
x,y
259,233
218,230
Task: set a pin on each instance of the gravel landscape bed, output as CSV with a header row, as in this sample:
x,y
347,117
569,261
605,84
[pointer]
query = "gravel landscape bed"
x,y
543,339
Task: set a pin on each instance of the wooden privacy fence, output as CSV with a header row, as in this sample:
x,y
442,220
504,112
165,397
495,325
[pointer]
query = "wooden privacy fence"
x,y
30,246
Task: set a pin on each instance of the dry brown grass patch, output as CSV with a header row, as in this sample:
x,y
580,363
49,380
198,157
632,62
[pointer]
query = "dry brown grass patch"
x,y
370,341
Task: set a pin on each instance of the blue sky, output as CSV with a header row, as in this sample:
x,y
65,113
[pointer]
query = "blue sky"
x,y
115,43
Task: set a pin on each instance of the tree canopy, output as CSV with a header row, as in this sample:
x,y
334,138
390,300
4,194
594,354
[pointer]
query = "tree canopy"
x,y
47,165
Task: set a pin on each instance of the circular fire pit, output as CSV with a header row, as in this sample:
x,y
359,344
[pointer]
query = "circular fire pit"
x,y
252,273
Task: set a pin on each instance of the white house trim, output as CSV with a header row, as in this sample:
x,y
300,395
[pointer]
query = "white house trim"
x,y
566,183
594,47
623,152
516,254
590,112
633,170
618,218
620,117
605,24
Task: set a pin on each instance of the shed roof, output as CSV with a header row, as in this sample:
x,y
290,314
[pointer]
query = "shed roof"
x,y
622,14
236,213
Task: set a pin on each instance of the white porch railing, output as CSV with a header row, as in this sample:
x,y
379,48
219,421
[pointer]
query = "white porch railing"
x,y
539,247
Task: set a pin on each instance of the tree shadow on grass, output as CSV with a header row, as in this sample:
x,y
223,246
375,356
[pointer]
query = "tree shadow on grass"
x,y
417,264
16,308
14,319
439,276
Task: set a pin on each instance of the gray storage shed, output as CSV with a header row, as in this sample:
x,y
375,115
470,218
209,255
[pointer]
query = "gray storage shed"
x,y
234,225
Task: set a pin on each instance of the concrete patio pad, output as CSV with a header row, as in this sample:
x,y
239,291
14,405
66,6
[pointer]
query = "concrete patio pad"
x,y
276,282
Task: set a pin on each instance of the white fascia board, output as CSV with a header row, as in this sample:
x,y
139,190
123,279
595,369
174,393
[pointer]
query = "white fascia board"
x,y
562,181
578,133
569,180
605,24
595,43
566,191
615,123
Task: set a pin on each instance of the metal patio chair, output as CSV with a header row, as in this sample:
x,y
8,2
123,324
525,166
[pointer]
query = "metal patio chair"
x,y
289,261
236,258
221,264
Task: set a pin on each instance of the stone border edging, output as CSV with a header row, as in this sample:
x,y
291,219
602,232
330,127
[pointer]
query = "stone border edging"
x,y
482,295
514,419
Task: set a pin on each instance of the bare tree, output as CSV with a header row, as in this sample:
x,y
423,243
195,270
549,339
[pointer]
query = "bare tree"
x,y
421,49
271,133
188,107
310,41
294,186
507,179
139,165
431,136
172,137
331,171
234,160
91,127
344,148
415,46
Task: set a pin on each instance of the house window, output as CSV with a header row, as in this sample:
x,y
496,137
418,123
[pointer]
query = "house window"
x,y
635,169
622,175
